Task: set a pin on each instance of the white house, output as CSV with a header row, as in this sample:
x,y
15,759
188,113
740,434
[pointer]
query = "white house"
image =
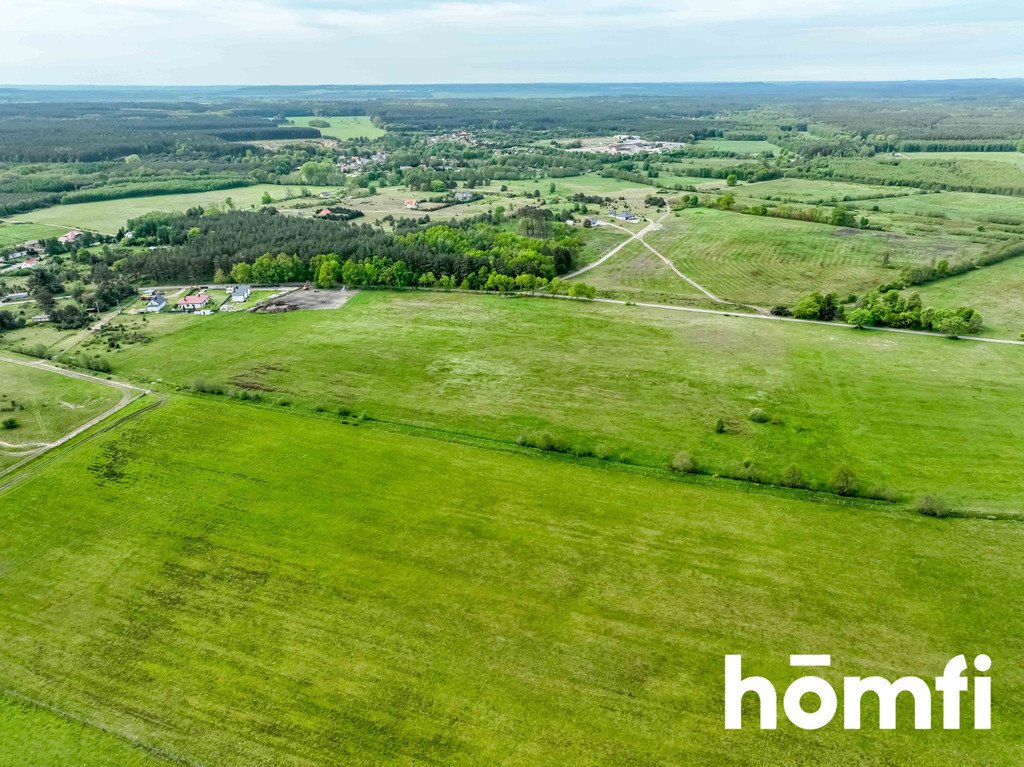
x,y
194,303
155,303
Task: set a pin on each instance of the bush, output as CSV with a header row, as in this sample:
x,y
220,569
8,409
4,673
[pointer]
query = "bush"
x,y
757,415
931,506
792,477
720,426
683,463
10,423
199,386
843,482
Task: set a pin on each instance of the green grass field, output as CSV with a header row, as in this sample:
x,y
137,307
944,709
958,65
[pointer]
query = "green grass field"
x,y
644,383
1010,158
810,191
46,406
110,215
636,273
15,234
597,240
958,205
739,147
340,595
767,261
995,291
343,128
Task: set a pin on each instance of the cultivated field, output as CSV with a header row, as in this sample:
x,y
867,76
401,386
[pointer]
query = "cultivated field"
x,y
340,595
639,383
343,128
110,215
767,261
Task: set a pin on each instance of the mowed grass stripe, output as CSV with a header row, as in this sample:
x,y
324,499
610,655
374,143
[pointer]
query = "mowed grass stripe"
x,y
321,594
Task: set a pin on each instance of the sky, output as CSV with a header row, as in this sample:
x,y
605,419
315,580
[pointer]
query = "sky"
x,y
249,42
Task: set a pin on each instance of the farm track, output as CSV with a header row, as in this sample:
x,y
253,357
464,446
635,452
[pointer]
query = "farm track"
x,y
129,394
640,237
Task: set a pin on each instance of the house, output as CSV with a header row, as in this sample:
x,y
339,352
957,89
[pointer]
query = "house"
x,y
411,204
194,303
464,196
241,293
148,292
324,213
155,303
41,318
325,195
70,237
30,263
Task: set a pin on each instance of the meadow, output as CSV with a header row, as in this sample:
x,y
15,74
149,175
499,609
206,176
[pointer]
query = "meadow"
x,y
634,273
767,261
995,291
327,594
965,174
15,234
635,383
343,128
738,147
958,205
45,406
813,192
108,216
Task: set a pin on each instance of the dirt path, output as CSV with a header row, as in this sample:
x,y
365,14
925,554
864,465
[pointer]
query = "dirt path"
x,y
639,237
654,225
129,394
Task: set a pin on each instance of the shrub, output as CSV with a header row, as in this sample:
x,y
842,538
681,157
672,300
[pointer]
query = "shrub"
x,y
757,415
720,426
683,463
199,386
843,482
10,423
792,477
931,506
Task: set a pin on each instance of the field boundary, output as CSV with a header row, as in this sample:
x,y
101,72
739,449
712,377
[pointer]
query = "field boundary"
x,y
153,751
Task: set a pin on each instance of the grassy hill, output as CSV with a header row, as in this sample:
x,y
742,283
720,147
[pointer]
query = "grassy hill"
x,y
327,594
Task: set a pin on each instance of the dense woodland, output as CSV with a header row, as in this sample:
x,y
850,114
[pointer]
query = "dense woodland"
x,y
473,254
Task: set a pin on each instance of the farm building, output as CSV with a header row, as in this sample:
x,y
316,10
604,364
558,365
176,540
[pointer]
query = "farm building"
x,y
464,196
14,297
194,303
70,237
411,204
241,293
325,195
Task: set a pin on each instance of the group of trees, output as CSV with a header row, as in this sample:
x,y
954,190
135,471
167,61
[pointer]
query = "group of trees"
x,y
894,310
239,244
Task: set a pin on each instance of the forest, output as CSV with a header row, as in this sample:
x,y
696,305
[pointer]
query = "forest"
x,y
464,253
